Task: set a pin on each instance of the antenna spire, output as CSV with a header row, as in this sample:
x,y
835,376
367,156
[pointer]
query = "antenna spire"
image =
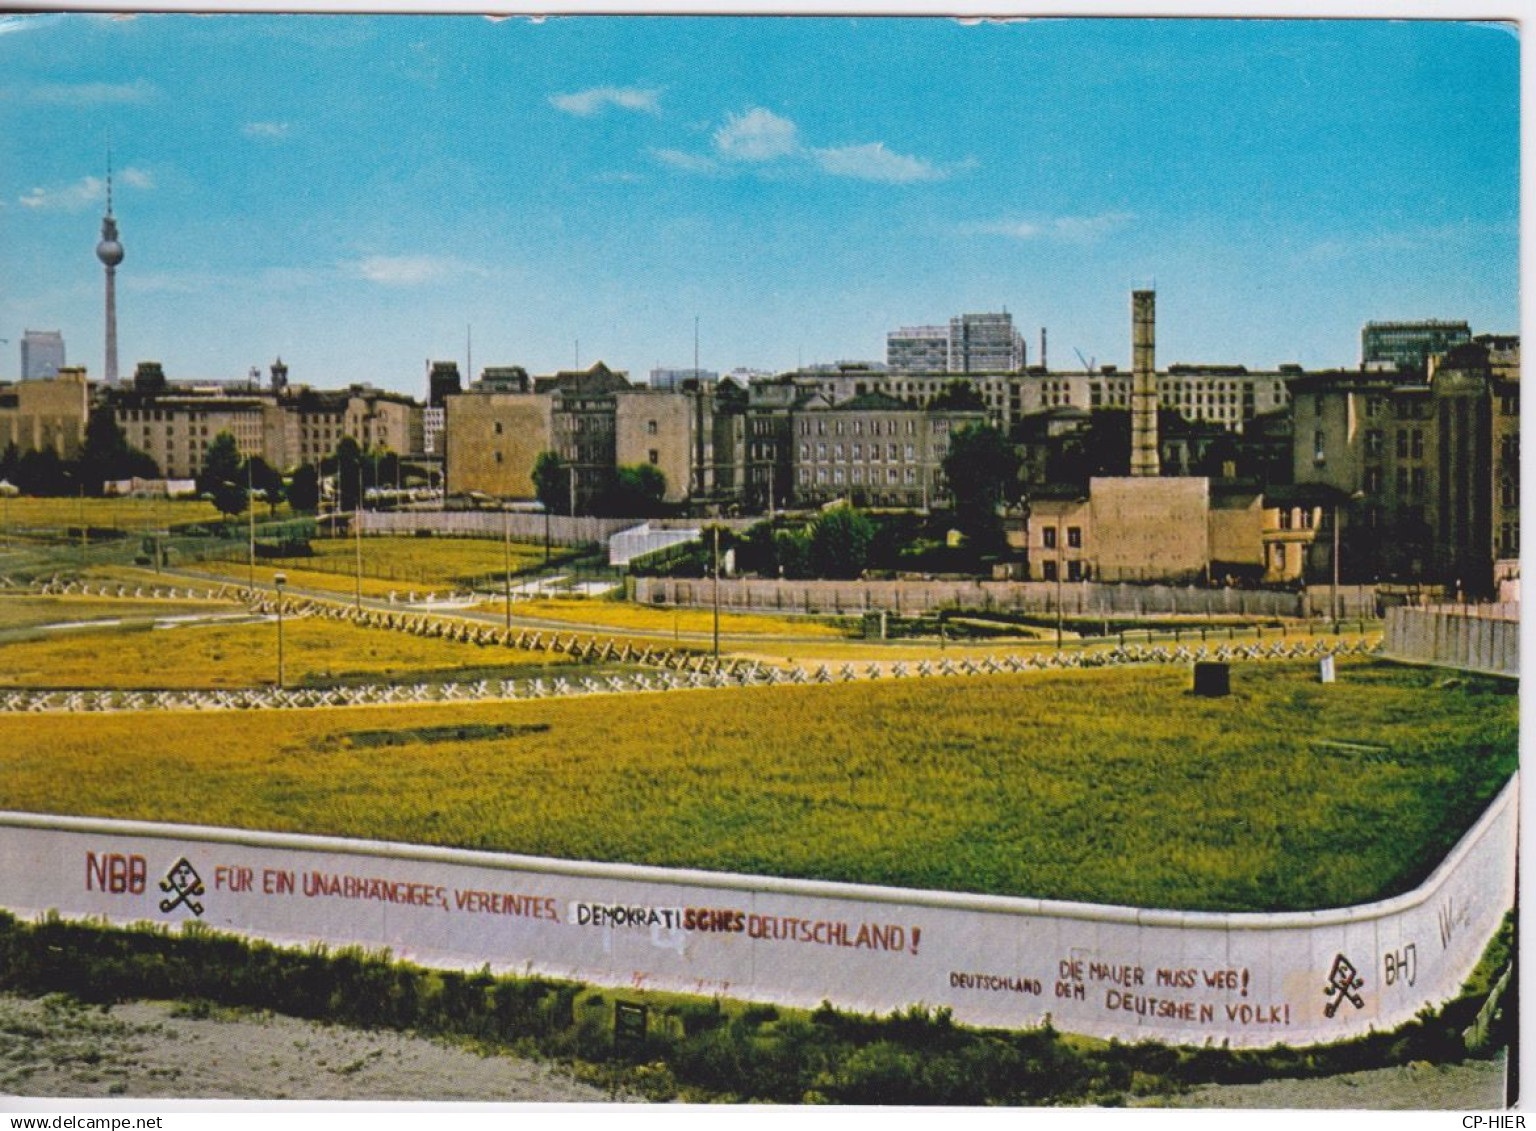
x,y
109,180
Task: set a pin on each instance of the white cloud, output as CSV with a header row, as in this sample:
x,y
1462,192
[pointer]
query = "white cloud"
x,y
90,93
66,198
137,178
874,162
1060,229
757,135
688,162
269,130
408,270
585,103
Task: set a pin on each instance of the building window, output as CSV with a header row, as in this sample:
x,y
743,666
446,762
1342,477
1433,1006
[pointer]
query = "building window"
x,y
858,451
1418,444
858,475
821,450
1048,537
1048,569
1373,480
1402,443
1075,537
837,476
1509,492
911,452
837,450
1402,481
650,429
498,457
655,456
1286,518
890,453
1280,556
1319,449
1074,570
1374,443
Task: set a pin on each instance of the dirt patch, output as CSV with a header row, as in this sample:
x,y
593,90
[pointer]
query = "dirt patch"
x,y
54,1046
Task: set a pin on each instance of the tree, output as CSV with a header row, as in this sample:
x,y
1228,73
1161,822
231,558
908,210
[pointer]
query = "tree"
x,y
223,476
840,541
304,488
983,472
958,396
266,479
41,472
107,455
346,463
638,490
552,482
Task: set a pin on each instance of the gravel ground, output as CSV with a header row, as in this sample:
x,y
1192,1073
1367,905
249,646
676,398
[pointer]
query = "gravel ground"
x,y
1475,1085
55,1047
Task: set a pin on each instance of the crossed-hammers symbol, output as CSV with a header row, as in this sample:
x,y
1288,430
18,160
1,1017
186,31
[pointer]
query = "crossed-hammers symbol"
x,y
185,882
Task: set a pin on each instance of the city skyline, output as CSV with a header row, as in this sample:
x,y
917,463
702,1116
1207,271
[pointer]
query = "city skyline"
x,y
354,193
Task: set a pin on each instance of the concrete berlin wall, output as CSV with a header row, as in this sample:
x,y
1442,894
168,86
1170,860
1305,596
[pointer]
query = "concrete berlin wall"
x,y
1190,978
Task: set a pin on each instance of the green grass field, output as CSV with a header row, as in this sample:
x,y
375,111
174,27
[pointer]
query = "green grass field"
x,y
27,513
1112,786
244,655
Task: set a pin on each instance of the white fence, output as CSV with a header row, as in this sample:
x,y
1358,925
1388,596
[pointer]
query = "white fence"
x,y
1075,598
1120,972
1475,638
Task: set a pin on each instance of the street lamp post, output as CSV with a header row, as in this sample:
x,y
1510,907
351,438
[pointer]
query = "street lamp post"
x,y
250,510
357,534
1333,596
506,562
717,598
279,580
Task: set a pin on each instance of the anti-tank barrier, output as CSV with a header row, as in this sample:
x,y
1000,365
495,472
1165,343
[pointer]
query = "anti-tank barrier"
x,y
702,675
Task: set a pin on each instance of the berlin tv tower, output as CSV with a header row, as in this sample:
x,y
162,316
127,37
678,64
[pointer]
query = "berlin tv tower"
x,y
110,252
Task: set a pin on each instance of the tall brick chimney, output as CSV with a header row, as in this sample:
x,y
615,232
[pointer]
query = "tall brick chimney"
x,y
1144,458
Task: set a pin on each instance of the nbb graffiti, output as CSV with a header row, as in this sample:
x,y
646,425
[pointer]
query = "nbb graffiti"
x,y
116,873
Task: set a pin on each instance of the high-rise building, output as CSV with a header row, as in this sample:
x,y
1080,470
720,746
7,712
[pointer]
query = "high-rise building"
x,y
1409,345
110,252
42,354
971,343
985,343
917,349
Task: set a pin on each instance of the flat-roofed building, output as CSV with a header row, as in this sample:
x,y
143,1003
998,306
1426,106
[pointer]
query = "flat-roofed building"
x,y
45,413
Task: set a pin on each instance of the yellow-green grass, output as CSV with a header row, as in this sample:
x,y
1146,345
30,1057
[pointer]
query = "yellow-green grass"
x,y
600,615
399,565
245,655
30,612
1110,786
25,512
812,651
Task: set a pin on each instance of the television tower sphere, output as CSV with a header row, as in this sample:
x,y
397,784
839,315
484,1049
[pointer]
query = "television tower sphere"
x,y
109,250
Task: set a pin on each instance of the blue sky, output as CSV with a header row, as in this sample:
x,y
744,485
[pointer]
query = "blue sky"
x,y
352,192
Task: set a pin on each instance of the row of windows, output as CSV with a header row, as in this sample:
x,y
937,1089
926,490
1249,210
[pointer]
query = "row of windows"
x,y
1049,535
856,427
893,452
837,476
